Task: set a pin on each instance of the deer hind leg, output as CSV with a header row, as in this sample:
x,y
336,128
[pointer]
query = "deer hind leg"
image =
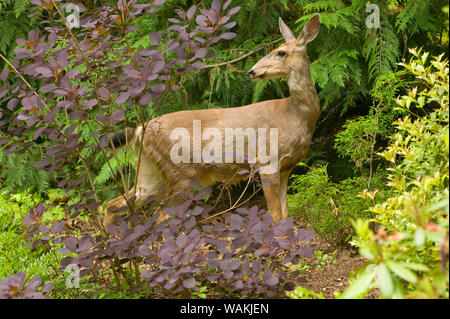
x,y
271,188
150,181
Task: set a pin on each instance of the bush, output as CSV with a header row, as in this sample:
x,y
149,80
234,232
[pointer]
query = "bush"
x,y
14,287
357,137
328,207
14,256
242,256
408,257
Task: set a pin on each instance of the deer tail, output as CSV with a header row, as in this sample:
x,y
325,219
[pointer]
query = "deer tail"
x,y
123,138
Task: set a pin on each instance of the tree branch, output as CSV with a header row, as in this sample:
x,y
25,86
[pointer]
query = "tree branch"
x,y
243,56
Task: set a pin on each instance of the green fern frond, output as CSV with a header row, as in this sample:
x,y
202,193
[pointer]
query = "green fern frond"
x,y
110,169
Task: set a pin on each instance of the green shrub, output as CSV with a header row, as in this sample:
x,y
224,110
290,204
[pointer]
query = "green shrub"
x,y
408,257
14,256
303,293
17,173
327,206
359,135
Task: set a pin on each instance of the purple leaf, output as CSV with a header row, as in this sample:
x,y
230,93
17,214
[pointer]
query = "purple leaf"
x,y
229,25
158,88
157,66
89,104
117,116
75,115
35,282
198,65
145,250
42,163
226,4
182,240
38,132
305,235
157,3
33,35
201,52
155,37
22,53
272,281
64,104
12,104
44,71
50,117
57,227
261,252
71,73
228,35
103,142
104,93
234,11
190,13
145,99
236,222
122,97
215,5
191,222
201,20
181,14
284,243
10,149
189,283
48,287
305,251
133,73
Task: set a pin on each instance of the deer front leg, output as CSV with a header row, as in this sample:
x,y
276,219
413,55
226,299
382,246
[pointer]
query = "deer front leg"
x,y
271,188
284,177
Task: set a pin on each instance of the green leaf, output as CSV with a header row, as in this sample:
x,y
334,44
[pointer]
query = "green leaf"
x,y
360,285
384,280
435,236
419,237
416,266
400,270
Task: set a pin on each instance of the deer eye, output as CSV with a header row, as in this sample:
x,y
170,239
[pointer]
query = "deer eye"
x,y
281,53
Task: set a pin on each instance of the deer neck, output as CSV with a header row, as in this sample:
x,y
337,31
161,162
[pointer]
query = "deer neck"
x,y
304,101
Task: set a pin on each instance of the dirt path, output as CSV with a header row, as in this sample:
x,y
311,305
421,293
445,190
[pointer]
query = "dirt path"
x,y
331,274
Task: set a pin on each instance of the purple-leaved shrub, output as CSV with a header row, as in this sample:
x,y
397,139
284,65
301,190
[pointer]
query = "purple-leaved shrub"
x,y
64,82
13,287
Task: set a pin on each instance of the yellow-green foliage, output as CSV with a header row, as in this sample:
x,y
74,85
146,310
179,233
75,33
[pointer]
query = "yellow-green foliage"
x,y
14,256
327,207
408,257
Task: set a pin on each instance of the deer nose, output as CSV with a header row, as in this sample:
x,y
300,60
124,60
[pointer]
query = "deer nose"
x,y
251,73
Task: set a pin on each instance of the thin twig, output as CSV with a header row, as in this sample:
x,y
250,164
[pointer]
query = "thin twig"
x,y
26,83
236,204
245,55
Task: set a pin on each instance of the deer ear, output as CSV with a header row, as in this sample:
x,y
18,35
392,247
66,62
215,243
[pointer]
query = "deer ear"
x,y
310,31
285,31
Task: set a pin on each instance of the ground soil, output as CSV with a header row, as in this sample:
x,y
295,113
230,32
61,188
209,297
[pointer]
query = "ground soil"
x,y
332,275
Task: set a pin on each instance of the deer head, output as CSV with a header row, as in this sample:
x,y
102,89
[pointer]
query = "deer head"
x,y
288,58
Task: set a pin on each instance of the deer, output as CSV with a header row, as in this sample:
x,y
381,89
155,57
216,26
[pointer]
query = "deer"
x,y
294,118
